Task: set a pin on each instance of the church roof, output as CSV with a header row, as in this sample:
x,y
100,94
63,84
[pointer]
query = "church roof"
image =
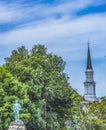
x,y
89,63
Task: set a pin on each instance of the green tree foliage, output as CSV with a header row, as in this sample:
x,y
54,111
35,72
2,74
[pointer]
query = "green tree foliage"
x,y
98,110
88,116
48,102
91,118
10,90
49,93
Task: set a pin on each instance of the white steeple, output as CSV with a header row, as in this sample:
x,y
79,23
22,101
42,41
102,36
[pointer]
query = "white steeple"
x,y
89,84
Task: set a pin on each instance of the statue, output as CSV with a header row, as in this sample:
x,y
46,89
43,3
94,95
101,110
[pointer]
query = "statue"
x,y
17,124
16,109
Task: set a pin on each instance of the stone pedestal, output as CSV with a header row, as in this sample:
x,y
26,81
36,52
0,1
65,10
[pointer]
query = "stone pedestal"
x,y
17,125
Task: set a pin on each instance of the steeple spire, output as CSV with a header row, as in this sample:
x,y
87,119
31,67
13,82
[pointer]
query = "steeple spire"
x,y
89,64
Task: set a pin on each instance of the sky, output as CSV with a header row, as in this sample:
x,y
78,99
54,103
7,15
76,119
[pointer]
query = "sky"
x,y
64,27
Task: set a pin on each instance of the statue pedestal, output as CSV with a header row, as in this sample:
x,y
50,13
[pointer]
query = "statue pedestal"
x,y
17,125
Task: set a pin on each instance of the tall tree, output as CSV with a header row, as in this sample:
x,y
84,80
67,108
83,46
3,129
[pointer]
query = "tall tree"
x,y
50,95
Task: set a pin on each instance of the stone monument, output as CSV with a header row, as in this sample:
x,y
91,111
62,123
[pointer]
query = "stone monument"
x,y
17,124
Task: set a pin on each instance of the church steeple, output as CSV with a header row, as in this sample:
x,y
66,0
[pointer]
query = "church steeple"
x,y
89,84
89,64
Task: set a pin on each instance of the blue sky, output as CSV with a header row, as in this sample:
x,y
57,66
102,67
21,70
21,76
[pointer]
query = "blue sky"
x,y
64,27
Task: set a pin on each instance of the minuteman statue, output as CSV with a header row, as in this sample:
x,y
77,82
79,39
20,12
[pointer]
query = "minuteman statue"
x,y
16,109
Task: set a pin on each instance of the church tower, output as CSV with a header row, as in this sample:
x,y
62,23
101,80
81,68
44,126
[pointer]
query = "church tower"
x,y
89,84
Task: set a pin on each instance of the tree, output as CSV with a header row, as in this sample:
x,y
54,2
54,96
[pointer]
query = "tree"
x,y
49,93
99,112
10,90
94,118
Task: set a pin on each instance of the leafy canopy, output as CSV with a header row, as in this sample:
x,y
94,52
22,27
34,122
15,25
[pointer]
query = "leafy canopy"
x,y
46,86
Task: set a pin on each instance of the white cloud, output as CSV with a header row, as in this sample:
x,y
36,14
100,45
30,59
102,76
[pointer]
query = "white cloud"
x,y
65,38
16,12
10,13
58,30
